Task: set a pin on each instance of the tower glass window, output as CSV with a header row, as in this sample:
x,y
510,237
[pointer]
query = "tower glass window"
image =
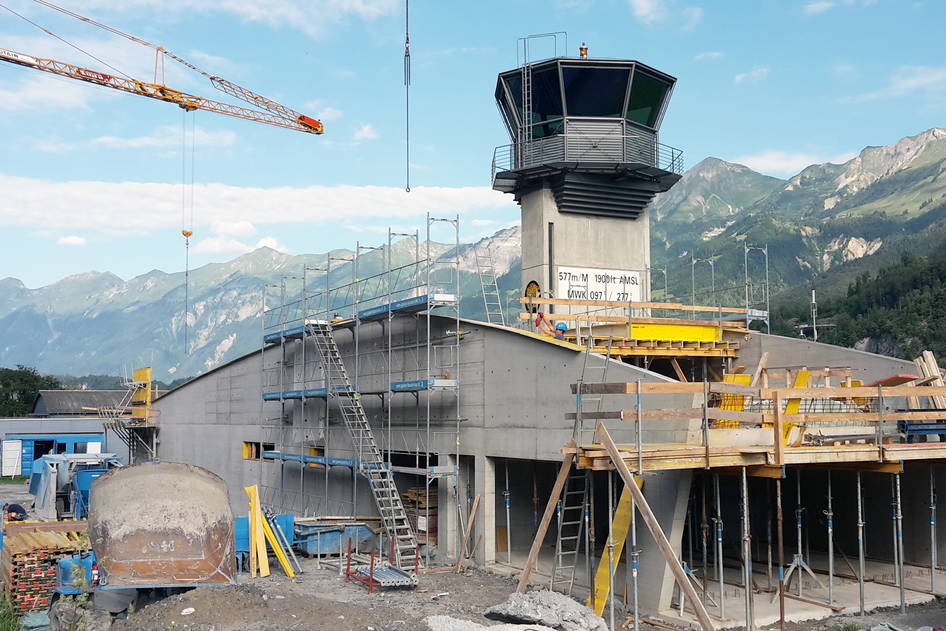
x,y
647,98
546,95
594,91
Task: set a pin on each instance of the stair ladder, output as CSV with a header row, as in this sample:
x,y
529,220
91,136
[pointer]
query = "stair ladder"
x,y
371,464
490,289
574,510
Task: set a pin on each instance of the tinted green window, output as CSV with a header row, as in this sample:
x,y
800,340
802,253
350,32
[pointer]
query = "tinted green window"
x,y
594,91
546,95
647,97
550,128
514,84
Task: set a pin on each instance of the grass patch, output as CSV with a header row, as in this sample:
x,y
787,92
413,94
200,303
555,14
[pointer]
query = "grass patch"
x,y
16,479
9,619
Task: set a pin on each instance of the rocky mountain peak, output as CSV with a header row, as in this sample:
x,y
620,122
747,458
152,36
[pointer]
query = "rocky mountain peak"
x,y
874,163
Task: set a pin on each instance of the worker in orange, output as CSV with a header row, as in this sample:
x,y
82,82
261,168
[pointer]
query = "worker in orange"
x,y
558,332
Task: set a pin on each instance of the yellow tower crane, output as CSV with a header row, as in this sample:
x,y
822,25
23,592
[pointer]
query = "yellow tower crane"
x,y
270,112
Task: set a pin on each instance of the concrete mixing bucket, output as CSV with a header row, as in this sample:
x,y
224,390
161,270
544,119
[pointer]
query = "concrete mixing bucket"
x,y
162,524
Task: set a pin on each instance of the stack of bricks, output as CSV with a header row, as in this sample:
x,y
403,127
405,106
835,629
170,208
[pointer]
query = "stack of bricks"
x,y
31,552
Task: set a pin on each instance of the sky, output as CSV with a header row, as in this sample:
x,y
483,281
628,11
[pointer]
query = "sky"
x,y
95,179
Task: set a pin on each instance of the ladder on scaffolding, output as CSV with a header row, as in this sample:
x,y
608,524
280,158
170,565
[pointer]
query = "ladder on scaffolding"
x,y
370,462
492,301
574,510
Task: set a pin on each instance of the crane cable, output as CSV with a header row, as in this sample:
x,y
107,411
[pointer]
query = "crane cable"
x,y
63,40
187,219
407,96
115,31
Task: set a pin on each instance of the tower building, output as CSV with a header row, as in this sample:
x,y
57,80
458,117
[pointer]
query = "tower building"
x,y
583,163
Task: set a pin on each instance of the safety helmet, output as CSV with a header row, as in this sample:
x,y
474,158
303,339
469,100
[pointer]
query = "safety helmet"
x,y
561,326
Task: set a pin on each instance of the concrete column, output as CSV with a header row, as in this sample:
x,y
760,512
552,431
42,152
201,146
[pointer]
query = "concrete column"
x,y
484,475
668,494
447,526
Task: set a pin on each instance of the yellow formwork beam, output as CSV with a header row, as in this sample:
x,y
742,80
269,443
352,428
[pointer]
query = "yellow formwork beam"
x,y
675,332
258,557
619,527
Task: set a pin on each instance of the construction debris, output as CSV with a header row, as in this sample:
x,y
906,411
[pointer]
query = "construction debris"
x,y
547,608
446,623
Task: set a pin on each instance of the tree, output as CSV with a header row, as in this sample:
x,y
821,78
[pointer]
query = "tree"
x,y
19,388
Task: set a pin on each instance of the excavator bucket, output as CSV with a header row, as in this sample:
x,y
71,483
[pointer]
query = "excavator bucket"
x,y
162,524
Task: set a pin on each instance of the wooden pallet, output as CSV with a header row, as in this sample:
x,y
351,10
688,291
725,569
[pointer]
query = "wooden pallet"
x,y
31,552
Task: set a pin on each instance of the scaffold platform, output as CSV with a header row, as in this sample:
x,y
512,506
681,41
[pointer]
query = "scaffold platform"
x,y
414,304
417,385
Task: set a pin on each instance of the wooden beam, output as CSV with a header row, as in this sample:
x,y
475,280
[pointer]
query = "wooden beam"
x,y
671,306
469,530
778,436
866,467
763,362
681,376
654,527
546,519
756,471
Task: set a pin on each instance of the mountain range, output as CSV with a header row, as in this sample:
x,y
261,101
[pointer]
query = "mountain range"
x,y
822,228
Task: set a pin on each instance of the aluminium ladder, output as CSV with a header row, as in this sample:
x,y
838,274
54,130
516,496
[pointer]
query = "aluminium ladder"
x,y
488,285
370,462
574,511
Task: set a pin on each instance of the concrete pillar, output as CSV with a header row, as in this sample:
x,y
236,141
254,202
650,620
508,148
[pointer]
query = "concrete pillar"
x,y
484,474
447,526
668,494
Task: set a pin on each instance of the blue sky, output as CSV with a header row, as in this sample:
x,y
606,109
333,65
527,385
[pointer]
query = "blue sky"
x,y
92,178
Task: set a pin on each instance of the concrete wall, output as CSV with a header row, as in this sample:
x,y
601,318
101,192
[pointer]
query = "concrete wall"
x,y
513,399
793,352
579,241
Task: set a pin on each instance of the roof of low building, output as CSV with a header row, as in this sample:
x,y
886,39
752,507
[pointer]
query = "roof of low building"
x,y
76,402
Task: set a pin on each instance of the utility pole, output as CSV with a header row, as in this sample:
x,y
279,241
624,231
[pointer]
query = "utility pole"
x,y
814,316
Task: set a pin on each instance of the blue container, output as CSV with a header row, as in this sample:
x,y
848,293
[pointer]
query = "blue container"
x,y
328,539
241,534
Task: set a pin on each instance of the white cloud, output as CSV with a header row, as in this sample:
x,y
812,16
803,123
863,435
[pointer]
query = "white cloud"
x,y
712,55
841,70
240,228
166,138
52,146
691,17
366,132
649,11
784,163
43,93
483,222
226,246
329,113
814,8
313,17
759,73
904,81
71,240
103,206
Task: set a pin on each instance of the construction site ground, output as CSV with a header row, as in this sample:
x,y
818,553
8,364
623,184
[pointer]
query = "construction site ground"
x,y
321,599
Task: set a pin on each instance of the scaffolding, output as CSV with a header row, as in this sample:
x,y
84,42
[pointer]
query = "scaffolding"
x,y
390,313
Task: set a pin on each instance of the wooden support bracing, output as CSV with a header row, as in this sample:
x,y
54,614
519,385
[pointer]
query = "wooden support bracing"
x,y
650,520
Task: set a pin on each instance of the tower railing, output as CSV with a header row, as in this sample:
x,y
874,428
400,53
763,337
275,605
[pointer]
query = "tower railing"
x,y
580,146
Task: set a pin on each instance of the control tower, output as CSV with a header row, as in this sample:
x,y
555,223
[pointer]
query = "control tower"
x,y
584,163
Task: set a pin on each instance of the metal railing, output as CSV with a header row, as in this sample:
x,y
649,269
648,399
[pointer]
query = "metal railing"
x,y
581,147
